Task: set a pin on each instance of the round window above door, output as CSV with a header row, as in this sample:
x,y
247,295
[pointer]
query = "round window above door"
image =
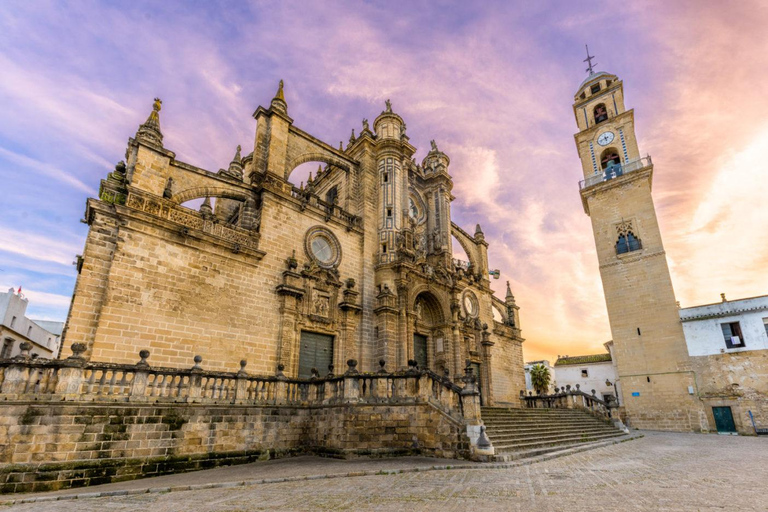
x,y
322,246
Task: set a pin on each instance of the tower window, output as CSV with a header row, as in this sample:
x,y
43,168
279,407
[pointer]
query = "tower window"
x,y
601,113
595,88
386,177
610,158
628,243
389,212
732,335
383,247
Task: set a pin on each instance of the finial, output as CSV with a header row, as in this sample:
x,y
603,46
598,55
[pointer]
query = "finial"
x,y
309,180
509,292
150,130
478,231
319,169
341,146
205,209
352,137
588,60
237,153
279,95
722,296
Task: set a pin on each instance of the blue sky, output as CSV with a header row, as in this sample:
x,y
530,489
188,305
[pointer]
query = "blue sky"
x,y
492,82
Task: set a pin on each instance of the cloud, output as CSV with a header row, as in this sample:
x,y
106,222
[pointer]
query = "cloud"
x,y
38,247
45,169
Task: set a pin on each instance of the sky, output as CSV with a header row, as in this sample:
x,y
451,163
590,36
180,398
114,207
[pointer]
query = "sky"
x,y
492,82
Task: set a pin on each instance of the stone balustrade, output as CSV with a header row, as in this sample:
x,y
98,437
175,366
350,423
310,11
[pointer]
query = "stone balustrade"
x,y
24,378
568,398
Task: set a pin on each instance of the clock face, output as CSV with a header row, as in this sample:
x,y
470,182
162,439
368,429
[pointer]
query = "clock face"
x,y
605,138
470,306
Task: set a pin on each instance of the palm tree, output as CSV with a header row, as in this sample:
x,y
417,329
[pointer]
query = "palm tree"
x,y
540,378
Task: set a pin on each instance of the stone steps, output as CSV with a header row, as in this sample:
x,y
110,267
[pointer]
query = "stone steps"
x,y
519,433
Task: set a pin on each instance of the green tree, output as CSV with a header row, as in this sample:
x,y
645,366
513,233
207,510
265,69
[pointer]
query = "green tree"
x,y
540,378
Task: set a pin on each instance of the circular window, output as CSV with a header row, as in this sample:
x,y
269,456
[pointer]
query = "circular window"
x,y
470,304
322,246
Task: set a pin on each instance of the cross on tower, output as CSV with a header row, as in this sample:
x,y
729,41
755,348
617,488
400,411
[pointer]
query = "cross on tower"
x,y
588,60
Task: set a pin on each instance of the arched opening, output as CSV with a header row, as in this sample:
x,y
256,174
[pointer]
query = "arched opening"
x,y
628,242
300,175
227,210
429,346
610,158
498,315
460,257
600,113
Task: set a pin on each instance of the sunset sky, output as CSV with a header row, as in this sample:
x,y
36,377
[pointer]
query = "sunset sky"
x,y
491,82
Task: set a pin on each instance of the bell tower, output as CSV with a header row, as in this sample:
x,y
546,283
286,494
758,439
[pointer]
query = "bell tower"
x,y
658,385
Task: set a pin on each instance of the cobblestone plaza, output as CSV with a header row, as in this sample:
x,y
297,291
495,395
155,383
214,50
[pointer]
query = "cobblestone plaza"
x,y
661,471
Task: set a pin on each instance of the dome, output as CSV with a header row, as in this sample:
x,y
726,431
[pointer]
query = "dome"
x,y
593,76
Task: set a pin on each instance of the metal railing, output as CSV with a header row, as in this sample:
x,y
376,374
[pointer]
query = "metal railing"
x,y
614,171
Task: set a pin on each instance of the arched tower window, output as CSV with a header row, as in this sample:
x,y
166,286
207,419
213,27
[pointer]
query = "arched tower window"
x,y
610,158
601,113
627,243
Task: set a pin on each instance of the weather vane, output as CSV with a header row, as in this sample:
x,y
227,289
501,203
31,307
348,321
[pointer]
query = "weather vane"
x,y
588,60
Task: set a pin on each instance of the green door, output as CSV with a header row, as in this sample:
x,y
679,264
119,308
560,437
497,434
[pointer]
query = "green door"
x,y
420,350
724,419
316,352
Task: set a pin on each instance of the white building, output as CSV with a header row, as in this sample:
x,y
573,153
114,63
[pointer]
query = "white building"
x,y
726,327
16,328
595,371
552,377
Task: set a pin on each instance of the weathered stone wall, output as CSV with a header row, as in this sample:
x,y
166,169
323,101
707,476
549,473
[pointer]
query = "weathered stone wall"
x,y
56,446
736,380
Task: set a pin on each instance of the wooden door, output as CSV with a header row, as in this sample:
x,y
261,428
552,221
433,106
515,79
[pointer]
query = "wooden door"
x,y
420,350
724,420
316,352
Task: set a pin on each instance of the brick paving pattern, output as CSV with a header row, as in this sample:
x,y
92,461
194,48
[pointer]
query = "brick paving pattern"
x,y
662,471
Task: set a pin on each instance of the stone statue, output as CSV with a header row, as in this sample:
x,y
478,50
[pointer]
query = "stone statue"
x,y
365,125
168,191
388,105
402,130
434,145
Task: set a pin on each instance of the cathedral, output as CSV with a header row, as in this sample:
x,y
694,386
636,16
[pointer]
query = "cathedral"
x,y
355,265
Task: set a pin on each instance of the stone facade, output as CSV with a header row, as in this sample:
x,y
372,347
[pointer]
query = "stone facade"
x,y
665,381
70,423
360,256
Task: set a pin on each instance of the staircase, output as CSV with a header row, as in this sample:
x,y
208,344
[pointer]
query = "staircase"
x,y
520,433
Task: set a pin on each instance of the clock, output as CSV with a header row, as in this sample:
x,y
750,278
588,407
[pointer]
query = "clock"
x,y
605,138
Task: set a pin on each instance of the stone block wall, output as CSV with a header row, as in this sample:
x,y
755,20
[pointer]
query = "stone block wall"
x,y
58,446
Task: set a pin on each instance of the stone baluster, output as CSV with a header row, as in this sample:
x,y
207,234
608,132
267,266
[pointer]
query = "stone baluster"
x,y
470,398
195,380
241,383
351,382
424,384
140,377
16,374
71,372
281,386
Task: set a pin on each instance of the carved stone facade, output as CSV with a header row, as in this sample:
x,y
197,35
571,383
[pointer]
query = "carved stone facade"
x,y
360,255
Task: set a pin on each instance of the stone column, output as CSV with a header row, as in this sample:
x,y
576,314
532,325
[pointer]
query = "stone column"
x,y
488,369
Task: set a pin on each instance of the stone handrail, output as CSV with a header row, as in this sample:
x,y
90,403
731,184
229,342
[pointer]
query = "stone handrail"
x,y
615,171
571,399
329,209
74,379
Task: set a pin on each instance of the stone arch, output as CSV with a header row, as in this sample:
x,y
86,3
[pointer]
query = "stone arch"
x,y
469,247
436,299
210,191
323,157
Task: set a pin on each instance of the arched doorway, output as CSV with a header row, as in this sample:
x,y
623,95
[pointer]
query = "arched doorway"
x,y
429,344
